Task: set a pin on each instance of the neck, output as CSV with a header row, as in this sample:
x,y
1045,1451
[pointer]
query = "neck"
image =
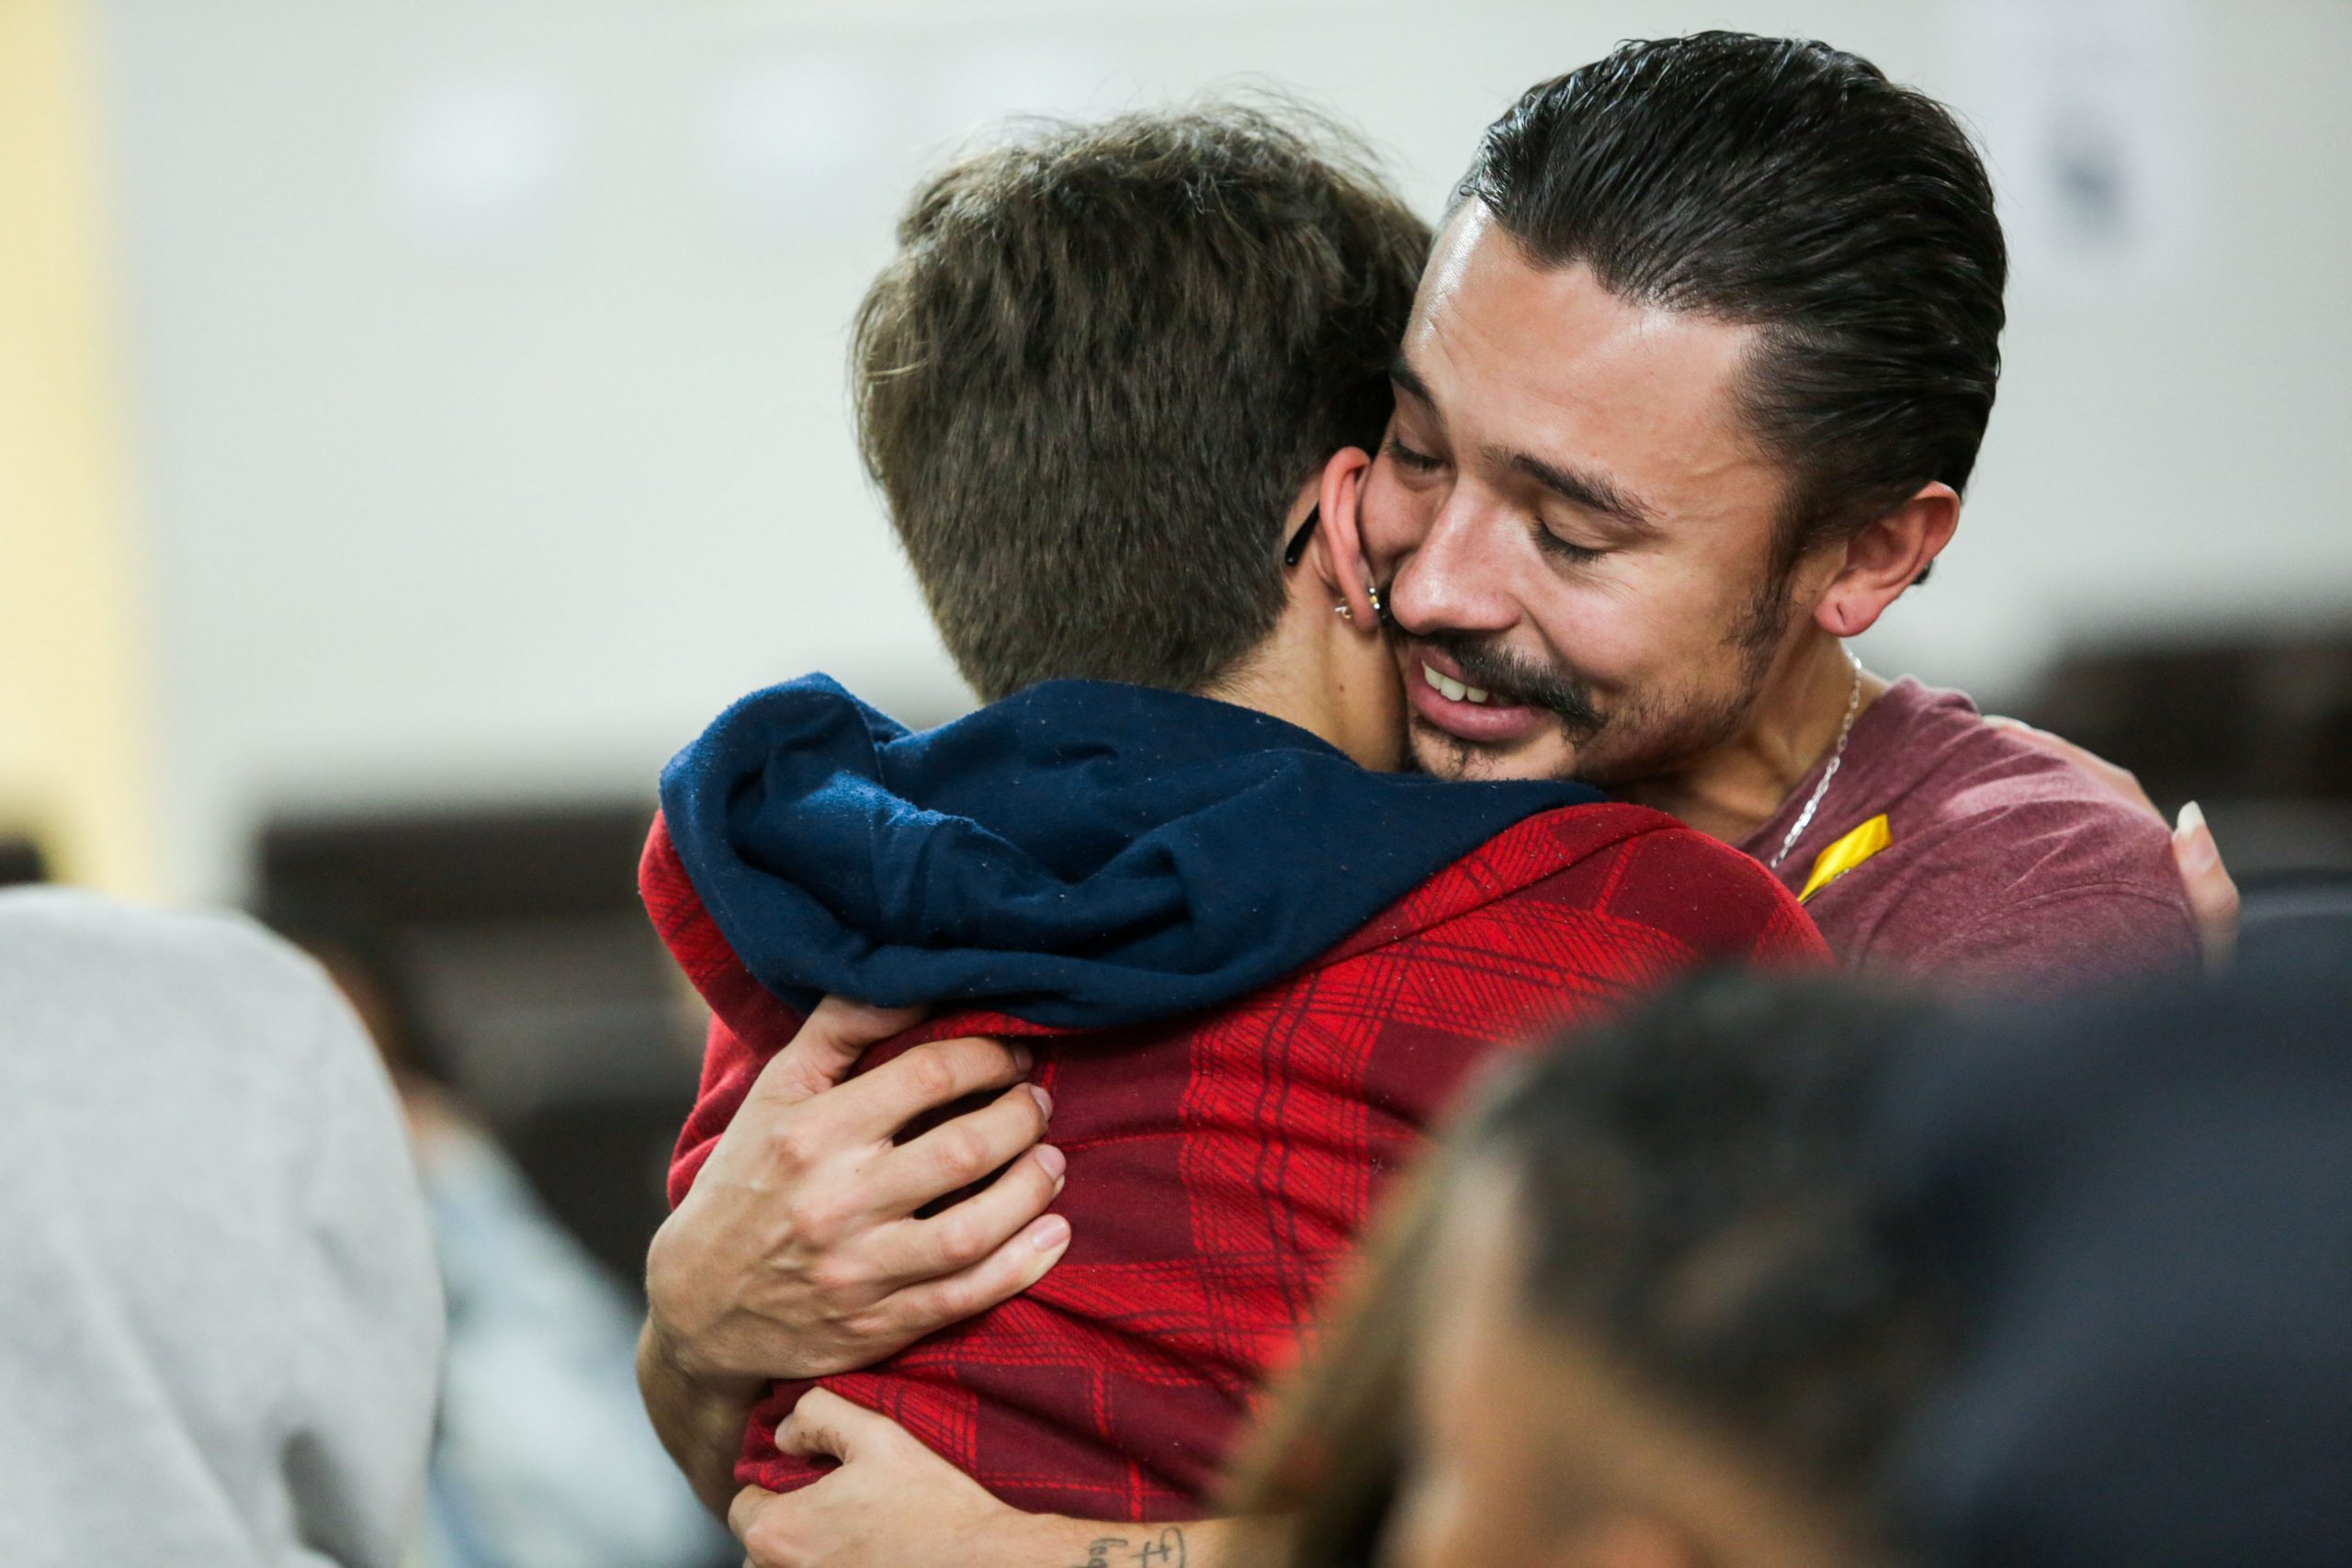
x,y
1732,790
1296,678
1262,685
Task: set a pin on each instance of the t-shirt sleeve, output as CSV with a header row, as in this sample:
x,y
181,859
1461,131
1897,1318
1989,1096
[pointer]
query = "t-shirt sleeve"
x,y
2064,939
2040,899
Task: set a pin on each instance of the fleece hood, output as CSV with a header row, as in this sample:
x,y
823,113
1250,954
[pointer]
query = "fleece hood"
x,y
1080,855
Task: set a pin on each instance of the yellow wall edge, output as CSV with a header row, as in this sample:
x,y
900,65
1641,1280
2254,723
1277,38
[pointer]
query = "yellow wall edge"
x,y
76,752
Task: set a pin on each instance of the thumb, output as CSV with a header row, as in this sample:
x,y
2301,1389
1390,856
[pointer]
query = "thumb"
x,y
836,1034
824,1425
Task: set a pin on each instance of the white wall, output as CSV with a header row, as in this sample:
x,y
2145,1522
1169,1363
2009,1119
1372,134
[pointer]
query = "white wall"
x,y
489,352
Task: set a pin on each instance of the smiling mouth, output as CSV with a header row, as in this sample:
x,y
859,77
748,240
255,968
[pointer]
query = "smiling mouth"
x,y
1453,690
1468,714
1532,702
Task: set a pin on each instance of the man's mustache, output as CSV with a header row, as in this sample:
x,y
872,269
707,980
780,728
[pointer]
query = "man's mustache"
x,y
1513,679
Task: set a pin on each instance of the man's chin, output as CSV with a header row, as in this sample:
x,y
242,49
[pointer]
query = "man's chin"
x,y
1442,755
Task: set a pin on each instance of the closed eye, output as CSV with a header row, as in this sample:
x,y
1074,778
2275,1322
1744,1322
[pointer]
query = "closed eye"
x,y
1419,462
1567,550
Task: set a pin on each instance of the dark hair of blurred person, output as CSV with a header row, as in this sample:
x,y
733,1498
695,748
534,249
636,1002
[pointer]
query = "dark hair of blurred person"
x,y
1166,374
21,862
2148,1202
1636,1316
359,957
1786,1273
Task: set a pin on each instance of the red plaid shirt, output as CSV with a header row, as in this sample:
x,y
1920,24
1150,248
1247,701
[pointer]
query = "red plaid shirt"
x,y
1220,1165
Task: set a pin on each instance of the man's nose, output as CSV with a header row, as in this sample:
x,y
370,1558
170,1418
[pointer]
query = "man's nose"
x,y
1456,581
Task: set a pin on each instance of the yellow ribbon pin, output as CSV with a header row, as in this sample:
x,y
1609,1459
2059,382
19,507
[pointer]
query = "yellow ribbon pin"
x,y
1846,855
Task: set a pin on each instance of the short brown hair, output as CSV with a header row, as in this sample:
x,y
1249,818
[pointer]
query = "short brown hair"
x,y
1102,363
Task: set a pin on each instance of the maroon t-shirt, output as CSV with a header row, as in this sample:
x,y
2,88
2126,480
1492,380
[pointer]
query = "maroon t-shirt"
x,y
2005,867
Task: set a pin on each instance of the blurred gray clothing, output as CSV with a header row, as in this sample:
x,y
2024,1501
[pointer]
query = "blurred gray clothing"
x,y
220,1323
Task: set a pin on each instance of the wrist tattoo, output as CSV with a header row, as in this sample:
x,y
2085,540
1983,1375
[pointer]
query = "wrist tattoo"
x,y
1165,1550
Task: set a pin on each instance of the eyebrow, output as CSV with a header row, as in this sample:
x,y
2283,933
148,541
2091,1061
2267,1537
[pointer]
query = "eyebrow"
x,y
1594,493
1401,371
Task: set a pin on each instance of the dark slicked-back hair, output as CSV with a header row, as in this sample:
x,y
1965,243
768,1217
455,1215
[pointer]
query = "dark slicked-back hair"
x,y
1790,185
1102,363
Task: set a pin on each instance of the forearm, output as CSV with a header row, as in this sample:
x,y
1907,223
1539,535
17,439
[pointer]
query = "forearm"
x,y
1050,1540
699,1422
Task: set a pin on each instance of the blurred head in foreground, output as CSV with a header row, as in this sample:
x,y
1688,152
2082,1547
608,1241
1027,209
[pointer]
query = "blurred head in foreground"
x,y
1633,1316
2148,1205
1770,1273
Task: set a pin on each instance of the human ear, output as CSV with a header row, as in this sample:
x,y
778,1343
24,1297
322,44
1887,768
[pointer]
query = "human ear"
x,y
1886,557
1339,545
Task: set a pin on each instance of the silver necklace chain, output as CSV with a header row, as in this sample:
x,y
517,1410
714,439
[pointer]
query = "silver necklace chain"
x,y
1836,756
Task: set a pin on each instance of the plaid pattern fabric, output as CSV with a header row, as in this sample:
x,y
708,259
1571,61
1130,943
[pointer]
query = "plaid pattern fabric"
x,y
1220,1165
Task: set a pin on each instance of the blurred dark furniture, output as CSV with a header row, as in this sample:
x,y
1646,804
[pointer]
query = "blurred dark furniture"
x,y
2255,726
21,861
554,1011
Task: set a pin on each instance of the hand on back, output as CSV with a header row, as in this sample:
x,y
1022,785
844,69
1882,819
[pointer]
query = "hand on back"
x,y
799,1252
2213,891
891,1501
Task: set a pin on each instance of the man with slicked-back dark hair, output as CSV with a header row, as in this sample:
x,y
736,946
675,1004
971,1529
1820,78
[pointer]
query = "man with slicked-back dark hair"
x,y
1693,382
1693,385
